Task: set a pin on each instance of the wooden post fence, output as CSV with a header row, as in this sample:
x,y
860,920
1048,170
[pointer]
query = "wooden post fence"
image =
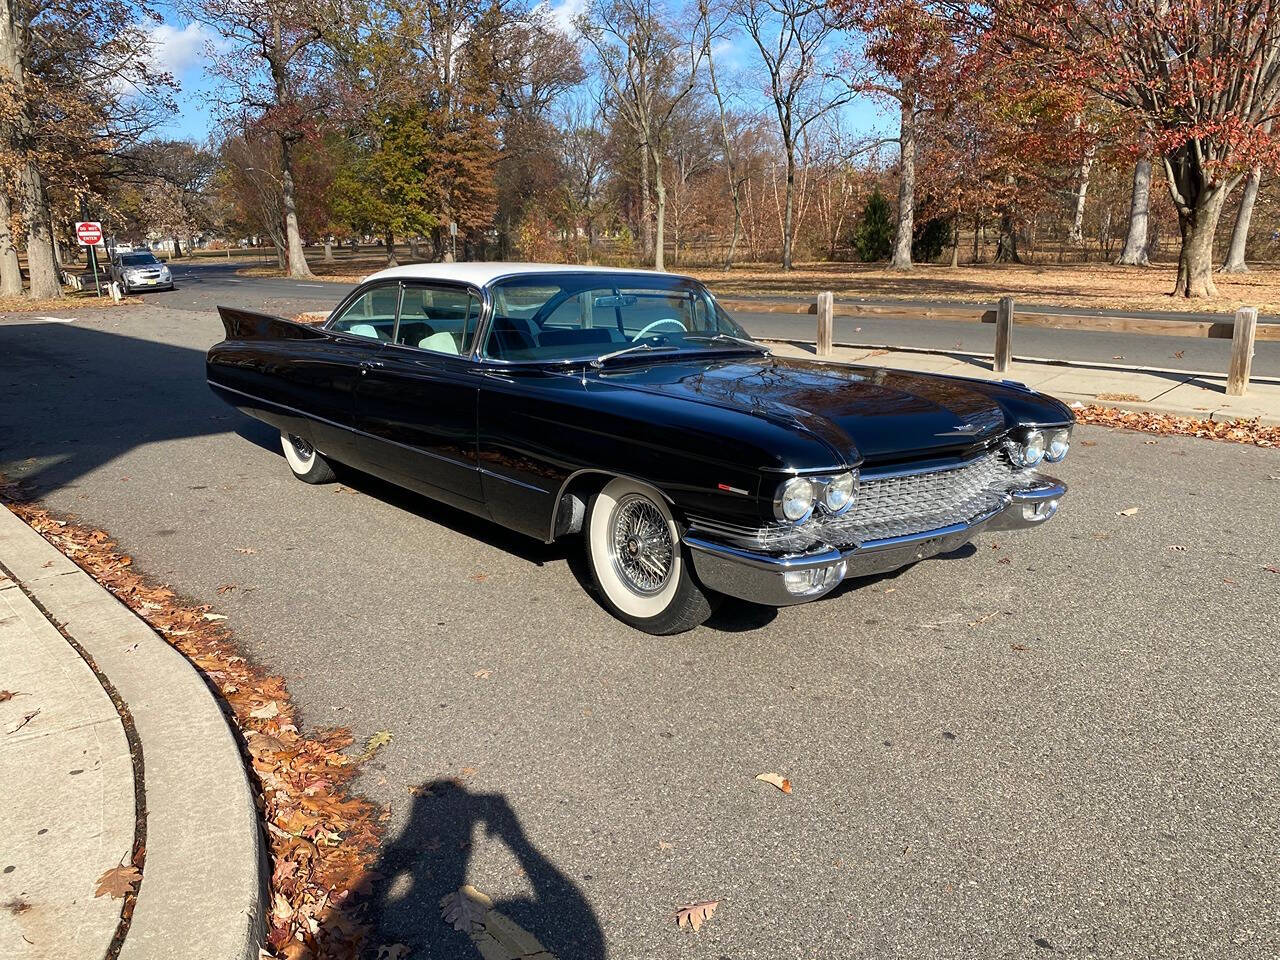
x,y
826,323
1242,337
1004,335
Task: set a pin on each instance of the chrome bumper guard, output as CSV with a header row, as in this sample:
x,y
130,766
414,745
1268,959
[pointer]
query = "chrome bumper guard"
x,y
780,580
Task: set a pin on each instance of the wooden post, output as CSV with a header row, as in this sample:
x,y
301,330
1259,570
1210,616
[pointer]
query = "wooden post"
x,y
1246,327
1004,335
826,314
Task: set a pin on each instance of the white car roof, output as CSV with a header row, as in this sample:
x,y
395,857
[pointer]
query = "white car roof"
x,y
483,272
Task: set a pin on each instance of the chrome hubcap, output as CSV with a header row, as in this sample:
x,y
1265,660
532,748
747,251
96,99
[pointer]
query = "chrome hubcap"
x,y
641,546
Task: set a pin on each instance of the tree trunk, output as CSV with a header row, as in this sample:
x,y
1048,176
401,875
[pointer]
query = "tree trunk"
x,y
977,228
1199,201
328,251
906,182
1007,241
40,262
787,207
1234,263
646,204
955,243
659,240
391,249
1135,242
293,237
1076,235
10,268
177,247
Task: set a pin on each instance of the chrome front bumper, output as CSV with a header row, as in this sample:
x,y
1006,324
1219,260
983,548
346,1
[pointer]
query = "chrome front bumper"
x,y
779,580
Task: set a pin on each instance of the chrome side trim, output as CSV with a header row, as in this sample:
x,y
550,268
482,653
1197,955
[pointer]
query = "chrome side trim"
x,y
513,480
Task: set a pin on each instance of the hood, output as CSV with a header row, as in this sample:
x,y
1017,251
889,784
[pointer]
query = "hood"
x,y
866,413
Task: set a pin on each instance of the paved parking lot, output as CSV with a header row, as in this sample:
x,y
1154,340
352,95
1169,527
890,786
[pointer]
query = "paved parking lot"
x,y
1058,741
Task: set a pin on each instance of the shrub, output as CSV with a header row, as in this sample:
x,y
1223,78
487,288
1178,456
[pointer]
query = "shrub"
x,y
929,238
874,237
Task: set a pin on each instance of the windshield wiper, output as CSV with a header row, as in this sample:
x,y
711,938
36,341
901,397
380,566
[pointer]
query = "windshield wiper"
x,y
723,337
635,347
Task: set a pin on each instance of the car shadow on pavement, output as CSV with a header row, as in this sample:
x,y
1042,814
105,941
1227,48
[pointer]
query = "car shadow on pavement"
x,y
422,873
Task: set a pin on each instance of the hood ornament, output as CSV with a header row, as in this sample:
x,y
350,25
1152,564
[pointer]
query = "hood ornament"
x,y
965,429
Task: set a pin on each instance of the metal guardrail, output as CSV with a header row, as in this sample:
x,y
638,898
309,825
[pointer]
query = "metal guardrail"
x,y
1243,329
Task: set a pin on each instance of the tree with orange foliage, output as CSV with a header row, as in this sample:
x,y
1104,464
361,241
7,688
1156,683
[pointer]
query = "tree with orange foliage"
x,y
1200,78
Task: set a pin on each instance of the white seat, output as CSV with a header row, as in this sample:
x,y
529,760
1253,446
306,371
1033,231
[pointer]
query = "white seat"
x,y
442,342
364,330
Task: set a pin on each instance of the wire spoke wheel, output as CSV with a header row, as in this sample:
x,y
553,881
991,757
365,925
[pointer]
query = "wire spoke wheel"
x,y
640,545
304,449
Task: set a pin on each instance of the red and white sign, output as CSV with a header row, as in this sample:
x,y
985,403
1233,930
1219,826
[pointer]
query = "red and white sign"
x,y
89,233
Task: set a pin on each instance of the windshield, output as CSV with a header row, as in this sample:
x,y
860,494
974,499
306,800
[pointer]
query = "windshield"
x,y
554,316
138,259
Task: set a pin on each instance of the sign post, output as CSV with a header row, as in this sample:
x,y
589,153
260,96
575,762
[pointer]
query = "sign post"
x,y
89,234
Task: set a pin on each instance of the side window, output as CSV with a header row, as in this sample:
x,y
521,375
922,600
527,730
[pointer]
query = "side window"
x,y
438,318
372,314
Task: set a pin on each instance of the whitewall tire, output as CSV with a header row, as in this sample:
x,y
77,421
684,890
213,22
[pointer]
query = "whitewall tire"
x,y
637,560
304,460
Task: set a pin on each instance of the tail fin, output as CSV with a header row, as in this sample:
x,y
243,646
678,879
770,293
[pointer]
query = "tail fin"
x,y
251,325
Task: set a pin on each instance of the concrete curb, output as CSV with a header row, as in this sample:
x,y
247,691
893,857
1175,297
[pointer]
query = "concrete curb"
x,y
204,879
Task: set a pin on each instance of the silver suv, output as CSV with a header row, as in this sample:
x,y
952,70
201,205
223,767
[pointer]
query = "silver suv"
x,y
140,270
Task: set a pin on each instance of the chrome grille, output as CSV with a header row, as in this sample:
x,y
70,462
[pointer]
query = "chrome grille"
x,y
901,504
889,505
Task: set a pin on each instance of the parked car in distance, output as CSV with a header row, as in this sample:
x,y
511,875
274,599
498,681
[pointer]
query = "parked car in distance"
x,y
140,270
630,408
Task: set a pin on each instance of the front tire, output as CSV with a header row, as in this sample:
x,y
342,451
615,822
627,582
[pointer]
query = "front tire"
x,y
305,460
638,563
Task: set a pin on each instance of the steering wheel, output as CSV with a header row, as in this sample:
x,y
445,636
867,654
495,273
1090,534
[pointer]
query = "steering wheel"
x,y
657,323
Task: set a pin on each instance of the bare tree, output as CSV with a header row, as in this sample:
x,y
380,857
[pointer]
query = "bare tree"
x,y
793,37
648,71
728,154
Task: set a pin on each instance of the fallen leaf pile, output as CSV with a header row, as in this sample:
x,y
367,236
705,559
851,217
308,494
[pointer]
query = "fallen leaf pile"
x,y
323,838
1167,424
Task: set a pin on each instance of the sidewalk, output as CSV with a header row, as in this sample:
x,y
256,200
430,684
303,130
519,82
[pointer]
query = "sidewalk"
x,y
78,793
1203,398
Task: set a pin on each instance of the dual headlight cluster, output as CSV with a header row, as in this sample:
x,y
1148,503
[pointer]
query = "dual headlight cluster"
x,y
798,497
1028,447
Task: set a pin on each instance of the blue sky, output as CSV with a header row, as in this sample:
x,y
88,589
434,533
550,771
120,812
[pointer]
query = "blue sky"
x,y
179,46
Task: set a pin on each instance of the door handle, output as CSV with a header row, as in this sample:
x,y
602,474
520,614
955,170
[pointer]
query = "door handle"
x,y
367,365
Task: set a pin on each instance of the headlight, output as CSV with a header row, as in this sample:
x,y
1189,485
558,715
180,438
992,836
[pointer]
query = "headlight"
x,y
164,273
795,500
1026,450
1059,444
838,491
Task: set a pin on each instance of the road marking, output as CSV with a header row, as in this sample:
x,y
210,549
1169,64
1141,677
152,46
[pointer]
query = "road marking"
x,y
318,286
229,280
56,319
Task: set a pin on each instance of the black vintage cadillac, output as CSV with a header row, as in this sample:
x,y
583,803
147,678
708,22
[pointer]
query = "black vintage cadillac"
x,y
629,408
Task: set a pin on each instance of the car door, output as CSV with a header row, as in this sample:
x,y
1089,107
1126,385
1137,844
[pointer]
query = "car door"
x,y
418,398
319,377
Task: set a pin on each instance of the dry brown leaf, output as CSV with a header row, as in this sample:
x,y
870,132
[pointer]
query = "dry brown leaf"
x,y
5,695
465,908
226,588
1128,512
483,674
26,718
118,882
1272,569
376,743
782,783
694,915
268,712
247,551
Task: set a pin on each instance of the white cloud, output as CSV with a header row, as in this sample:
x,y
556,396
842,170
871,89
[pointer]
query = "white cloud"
x,y
564,13
177,50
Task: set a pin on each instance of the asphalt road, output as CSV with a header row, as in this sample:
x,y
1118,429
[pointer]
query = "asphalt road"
x,y
1056,742
203,285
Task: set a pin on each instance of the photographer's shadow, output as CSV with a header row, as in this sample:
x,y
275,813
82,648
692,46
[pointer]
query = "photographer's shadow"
x,y
428,863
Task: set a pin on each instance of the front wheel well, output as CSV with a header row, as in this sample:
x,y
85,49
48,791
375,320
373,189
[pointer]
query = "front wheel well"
x,y
571,507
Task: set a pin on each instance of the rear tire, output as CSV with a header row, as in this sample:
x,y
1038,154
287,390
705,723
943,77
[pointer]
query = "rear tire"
x,y
305,460
638,563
